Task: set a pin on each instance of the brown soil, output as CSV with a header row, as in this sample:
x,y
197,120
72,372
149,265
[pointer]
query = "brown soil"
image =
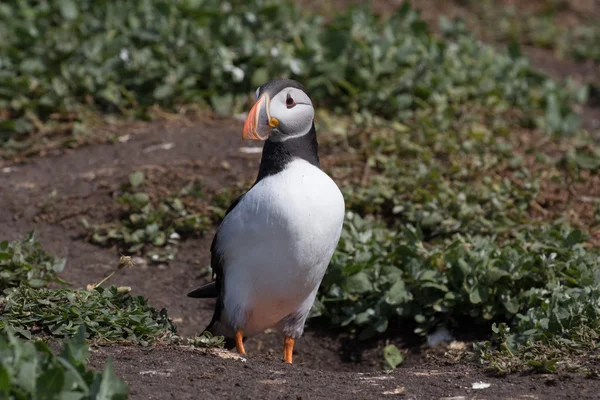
x,y
51,194
187,373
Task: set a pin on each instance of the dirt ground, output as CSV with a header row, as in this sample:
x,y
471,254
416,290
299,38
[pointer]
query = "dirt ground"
x,y
51,194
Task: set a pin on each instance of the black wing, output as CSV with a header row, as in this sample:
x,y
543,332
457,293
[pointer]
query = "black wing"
x,y
213,289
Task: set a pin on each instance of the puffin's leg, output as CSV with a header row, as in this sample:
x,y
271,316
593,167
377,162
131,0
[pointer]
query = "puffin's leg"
x,y
239,341
288,348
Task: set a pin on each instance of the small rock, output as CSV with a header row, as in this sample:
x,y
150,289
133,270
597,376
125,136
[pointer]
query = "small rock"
x,y
480,385
398,390
456,345
441,335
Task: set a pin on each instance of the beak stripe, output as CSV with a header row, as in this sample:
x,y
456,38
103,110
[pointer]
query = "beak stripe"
x,y
252,127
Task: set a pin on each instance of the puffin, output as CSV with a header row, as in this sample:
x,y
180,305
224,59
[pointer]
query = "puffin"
x,y
272,248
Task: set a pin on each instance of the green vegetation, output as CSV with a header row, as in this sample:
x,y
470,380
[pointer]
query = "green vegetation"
x,y
207,340
449,233
392,357
26,263
108,315
60,58
446,150
544,280
577,38
449,216
452,225
30,370
573,351
152,227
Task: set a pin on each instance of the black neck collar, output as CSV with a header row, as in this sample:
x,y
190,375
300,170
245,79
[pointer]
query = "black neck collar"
x,y
276,155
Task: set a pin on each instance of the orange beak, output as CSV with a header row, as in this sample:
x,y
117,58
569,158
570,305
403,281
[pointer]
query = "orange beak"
x,y
259,121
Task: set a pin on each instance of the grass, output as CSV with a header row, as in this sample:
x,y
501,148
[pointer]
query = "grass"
x,y
31,369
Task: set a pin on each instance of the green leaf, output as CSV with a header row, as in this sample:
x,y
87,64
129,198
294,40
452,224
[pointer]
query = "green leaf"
x,y
397,294
511,305
587,161
222,104
163,92
68,9
136,179
393,357
141,199
514,49
37,283
574,238
359,283
76,350
110,387
260,77
5,384
159,240
475,296
51,381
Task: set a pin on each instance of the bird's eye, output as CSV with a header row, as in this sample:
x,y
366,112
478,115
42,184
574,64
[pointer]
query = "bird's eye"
x,y
289,102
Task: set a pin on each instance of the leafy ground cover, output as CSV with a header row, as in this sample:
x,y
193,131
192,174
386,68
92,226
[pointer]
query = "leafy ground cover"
x,y
107,314
27,263
30,369
153,224
536,26
157,210
463,224
544,282
456,159
128,57
100,315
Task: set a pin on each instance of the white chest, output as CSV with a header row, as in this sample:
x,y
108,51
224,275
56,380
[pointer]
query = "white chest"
x,y
277,242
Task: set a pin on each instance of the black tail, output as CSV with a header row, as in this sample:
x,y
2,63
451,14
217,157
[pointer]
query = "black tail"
x,y
207,291
216,327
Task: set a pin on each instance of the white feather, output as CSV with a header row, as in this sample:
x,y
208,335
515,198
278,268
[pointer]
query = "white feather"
x,y
276,245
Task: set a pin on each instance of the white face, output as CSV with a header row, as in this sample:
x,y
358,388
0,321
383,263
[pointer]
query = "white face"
x,y
295,113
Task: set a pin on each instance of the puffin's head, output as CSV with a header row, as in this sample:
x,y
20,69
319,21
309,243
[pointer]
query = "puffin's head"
x,y
282,111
